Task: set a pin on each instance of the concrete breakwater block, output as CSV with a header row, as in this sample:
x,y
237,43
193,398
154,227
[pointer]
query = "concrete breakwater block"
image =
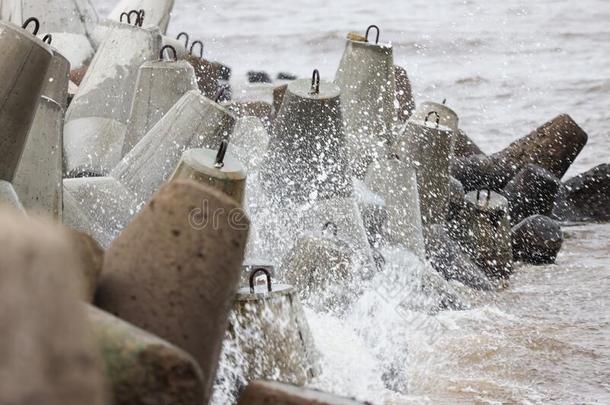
x,y
537,240
141,368
98,206
464,146
270,330
47,354
404,94
96,120
38,179
457,199
271,392
531,191
91,258
260,109
157,13
452,263
215,169
193,122
9,197
585,197
366,80
553,146
56,81
23,66
159,85
249,142
175,269
206,72
480,172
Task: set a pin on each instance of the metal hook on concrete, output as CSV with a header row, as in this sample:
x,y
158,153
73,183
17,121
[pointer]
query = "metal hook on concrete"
x,y
187,39
367,33
219,94
332,227
200,48
253,276
315,82
35,21
438,117
219,162
124,14
47,38
169,47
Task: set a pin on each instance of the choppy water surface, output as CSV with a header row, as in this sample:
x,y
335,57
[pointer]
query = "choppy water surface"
x,y
505,67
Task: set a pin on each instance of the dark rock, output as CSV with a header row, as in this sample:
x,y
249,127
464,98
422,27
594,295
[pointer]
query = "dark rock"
x,y
286,76
537,240
463,146
224,72
404,94
451,262
271,392
258,77
479,172
531,191
553,146
585,197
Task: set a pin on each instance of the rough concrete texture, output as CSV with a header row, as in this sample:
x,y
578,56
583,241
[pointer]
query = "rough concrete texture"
x,y
427,148
199,165
8,196
268,392
193,122
307,154
97,116
56,81
553,146
464,146
143,369
365,77
272,335
47,354
585,197
159,85
480,172
404,94
174,270
38,179
537,240
249,142
531,191
24,63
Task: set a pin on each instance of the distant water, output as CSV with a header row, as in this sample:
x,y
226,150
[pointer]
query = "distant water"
x,y
505,67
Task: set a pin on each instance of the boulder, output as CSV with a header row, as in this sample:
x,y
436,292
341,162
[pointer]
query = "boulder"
x,y
276,393
531,191
585,197
536,240
258,77
446,256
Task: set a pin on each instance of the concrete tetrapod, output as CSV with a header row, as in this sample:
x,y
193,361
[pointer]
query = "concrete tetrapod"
x,y
306,158
272,335
396,182
426,146
271,392
215,169
143,369
486,233
367,83
193,122
446,116
9,197
249,142
47,354
404,94
156,12
159,85
23,66
56,81
97,117
553,146
38,179
175,269
91,258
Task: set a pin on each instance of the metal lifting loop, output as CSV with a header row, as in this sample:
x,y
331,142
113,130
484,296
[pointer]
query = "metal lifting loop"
x,y
169,47
124,14
219,162
187,38
139,15
367,33
200,48
332,227
47,38
438,117
35,21
315,82
253,276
